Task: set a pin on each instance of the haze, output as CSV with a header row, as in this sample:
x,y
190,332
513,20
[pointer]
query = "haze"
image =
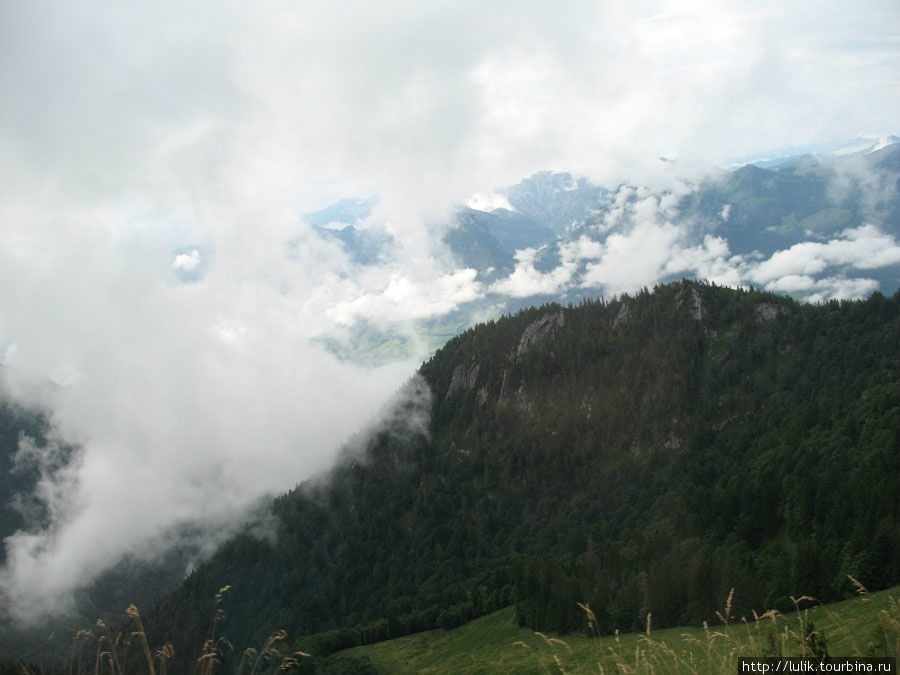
x,y
161,294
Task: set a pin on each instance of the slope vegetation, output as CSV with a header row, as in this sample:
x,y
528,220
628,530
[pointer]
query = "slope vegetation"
x,y
863,626
644,454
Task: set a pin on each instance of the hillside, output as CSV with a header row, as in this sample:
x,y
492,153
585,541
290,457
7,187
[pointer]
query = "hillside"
x,y
862,626
28,463
801,227
643,454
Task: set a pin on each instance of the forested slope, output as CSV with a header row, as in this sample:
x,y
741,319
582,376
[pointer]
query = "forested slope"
x,y
642,454
28,456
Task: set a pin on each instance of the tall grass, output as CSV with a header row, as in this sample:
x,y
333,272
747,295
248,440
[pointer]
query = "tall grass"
x,y
717,648
862,626
100,652
811,630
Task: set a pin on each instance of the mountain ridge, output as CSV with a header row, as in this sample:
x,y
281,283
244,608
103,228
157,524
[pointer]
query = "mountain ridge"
x,y
546,453
757,211
566,238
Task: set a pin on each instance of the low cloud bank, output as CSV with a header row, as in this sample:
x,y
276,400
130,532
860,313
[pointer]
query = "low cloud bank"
x,y
648,247
163,302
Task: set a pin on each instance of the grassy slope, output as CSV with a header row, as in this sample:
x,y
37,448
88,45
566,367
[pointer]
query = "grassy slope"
x,y
494,644
379,348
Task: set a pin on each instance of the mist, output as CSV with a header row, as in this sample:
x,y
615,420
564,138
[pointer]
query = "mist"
x,y
164,302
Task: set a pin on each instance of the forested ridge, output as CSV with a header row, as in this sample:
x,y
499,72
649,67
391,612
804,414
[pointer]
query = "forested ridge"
x,y
642,454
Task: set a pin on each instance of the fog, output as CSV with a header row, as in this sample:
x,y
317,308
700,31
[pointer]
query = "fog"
x,y
163,299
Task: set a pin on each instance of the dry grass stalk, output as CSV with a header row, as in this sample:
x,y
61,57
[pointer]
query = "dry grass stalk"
x,y
621,663
860,589
99,653
556,641
294,661
209,657
82,635
726,617
593,624
115,666
891,625
248,654
752,641
268,650
558,663
135,616
163,655
722,648
802,621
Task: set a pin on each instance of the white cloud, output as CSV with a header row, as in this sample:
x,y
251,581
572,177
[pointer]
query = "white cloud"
x,y
211,122
864,247
820,290
585,248
725,213
489,202
795,270
841,288
791,283
190,401
399,298
653,250
710,261
186,261
527,280
633,260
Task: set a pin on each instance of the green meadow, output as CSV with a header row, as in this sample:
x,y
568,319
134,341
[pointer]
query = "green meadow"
x,y
868,625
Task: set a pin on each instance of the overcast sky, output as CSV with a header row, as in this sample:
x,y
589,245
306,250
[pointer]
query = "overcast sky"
x,y
142,143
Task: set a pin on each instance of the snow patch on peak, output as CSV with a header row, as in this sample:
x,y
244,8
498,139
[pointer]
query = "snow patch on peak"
x,y
489,202
883,142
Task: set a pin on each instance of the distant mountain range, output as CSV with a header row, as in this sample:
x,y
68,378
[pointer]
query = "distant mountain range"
x,y
804,225
727,367
861,145
760,208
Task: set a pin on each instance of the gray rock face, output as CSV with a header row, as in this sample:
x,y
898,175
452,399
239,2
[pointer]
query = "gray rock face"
x,y
539,330
622,316
695,302
463,378
698,305
767,311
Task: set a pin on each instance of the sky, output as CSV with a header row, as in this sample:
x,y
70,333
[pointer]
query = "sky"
x,y
161,296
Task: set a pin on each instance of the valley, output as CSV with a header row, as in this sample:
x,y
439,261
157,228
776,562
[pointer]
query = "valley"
x,y
529,463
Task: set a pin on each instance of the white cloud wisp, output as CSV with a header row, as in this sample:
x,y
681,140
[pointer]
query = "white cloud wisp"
x,y
155,157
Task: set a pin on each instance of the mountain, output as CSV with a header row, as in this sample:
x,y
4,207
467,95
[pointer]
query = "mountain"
x,y
475,245
861,145
756,212
640,454
770,210
343,212
819,209
27,457
341,221
513,231
364,246
17,477
555,236
774,209
806,228
545,207
754,209
557,199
